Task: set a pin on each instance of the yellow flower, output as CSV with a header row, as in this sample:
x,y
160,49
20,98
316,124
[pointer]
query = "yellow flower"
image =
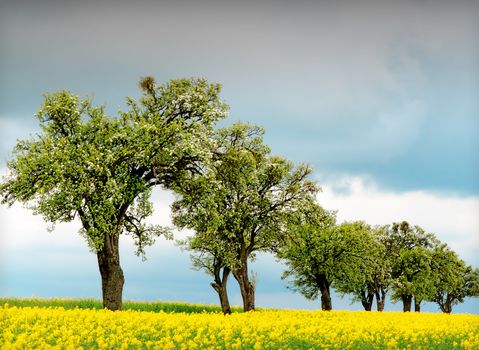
x,y
45,328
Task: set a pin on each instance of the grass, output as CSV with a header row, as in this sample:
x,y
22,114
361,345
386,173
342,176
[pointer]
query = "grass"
x,y
151,306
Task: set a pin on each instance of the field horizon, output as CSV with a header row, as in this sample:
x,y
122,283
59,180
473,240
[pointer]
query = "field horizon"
x,y
167,306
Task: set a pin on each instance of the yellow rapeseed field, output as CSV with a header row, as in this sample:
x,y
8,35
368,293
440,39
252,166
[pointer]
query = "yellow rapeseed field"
x,y
57,328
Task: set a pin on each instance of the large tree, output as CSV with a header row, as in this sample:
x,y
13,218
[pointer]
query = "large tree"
x,y
240,203
100,169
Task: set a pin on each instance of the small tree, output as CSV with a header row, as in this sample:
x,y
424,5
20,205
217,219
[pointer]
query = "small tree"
x,y
212,255
311,236
414,282
369,269
453,279
101,169
242,200
411,249
318,254
383,267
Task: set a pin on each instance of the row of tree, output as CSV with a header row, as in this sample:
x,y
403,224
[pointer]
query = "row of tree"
x,y
368,263
238,198
249,201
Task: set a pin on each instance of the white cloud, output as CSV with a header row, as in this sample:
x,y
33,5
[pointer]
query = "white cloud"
x,y
21,229
453,219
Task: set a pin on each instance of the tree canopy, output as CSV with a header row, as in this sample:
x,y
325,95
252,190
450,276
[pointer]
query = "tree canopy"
x,y
100,169
240,205
318,253
453,280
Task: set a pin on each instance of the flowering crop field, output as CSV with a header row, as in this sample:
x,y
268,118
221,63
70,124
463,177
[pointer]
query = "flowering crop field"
x,y
56,327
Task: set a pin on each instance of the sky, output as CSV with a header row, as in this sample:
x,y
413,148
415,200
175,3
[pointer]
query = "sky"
x,y
380,97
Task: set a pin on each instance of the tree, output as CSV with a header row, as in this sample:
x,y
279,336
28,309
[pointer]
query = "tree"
x,y
453,279
381,280
210,254
101,169
369,269
411,249
319,254
413,282
241,201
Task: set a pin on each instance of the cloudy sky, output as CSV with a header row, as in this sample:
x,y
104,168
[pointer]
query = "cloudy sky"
x,y
381,97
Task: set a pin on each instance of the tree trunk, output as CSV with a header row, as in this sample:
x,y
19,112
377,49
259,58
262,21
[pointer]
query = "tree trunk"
x,y
417,305
246,287
219,286
380,299
112,278
224,301
406,302
380,305
367,300
323,284
446,307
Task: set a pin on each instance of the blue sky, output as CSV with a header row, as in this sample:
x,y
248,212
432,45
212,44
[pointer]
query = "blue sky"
x,y
380,97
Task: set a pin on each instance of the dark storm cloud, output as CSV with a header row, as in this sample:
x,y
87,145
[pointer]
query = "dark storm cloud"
x,y
352,86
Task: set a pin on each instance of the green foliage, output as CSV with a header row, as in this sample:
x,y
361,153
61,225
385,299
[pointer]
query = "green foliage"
x,y
411,248
381,278
310,236
318,253
240,205
453,279
101,169
368,269
414,272
242,200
